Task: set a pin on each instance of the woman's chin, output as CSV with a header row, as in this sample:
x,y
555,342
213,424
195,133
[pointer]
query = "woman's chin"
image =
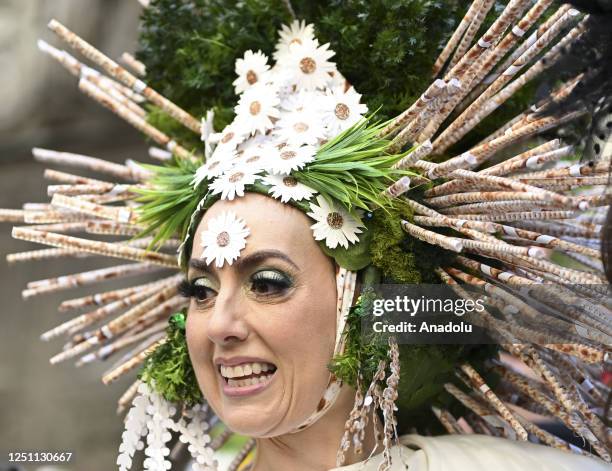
x,y
251,409
256,424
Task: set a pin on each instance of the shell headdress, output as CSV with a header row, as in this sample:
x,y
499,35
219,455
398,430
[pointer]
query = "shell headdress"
x,y
503,215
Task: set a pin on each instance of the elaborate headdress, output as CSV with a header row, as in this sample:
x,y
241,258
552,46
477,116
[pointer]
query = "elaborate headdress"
x,y
500,214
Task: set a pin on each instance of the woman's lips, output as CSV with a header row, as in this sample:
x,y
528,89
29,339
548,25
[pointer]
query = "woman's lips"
x,y
245,377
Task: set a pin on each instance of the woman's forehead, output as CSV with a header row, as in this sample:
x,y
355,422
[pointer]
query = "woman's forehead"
x,y
271,224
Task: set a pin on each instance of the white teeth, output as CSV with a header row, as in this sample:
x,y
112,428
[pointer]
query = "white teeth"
x,y
241,383
245,369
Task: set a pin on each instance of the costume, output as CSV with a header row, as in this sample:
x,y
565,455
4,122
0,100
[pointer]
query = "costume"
x,y
302,135
418,453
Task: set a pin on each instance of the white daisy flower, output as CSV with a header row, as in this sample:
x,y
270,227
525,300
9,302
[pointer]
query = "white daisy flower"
x,y
213,168
341,110
253,152
231,183
334,224
289,158
286,187
254,158
250,70
280,79
336,80
229,138
309,65
258,140
224,239
206,130
223,154
296,33
300,127
256,109
302,100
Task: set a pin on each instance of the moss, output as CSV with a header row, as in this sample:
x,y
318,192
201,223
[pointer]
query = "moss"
x,y
386,248
400,257
362,351
168,369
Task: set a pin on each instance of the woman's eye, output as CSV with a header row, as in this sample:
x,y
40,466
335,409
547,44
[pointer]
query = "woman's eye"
x,y
202,293
270,282
201,290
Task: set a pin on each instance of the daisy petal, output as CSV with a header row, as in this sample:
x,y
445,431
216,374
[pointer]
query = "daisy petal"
x,y
224,239
334,224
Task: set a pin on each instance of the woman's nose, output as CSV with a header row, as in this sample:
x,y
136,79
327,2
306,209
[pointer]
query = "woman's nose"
x,y
226,323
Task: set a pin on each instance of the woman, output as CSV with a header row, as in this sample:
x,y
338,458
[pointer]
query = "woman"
x,y
272,317
300,207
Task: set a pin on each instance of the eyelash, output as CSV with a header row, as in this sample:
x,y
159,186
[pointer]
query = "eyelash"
x,y
189,289
279,281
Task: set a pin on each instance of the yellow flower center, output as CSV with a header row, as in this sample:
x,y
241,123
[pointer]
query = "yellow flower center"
x,y
308,65
236,177
288,155
223,239
300,127
334,220
228,137
255,108
290,181
251,77
342,111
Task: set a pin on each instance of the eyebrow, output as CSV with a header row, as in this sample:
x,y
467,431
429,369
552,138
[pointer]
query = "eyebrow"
x,y
242,262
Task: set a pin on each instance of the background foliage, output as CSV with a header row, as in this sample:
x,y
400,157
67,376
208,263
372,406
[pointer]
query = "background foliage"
x,y
385,48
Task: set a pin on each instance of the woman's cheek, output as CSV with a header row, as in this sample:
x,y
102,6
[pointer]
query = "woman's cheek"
x,y
196,340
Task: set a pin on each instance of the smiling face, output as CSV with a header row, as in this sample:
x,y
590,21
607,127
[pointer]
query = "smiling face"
x,y
261,331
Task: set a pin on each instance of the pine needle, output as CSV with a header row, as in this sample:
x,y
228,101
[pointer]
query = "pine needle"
x,y
354,167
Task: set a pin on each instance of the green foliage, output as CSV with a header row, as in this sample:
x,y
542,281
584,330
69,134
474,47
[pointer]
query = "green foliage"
x,y
361,353
355,257
386,249
424,368
190,46
172,127
170,201
385,48
400,257
354,168
168,369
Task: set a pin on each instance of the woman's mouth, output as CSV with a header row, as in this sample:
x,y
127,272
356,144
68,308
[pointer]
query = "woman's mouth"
x,y
246,378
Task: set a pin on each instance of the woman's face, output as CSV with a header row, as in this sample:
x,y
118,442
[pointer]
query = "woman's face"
x,y
261,331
